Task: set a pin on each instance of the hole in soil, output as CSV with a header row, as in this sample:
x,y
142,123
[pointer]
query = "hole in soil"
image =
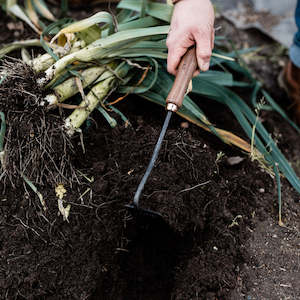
x,y
35,285
147,269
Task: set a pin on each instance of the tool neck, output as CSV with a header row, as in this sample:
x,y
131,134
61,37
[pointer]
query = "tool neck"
x,y
153,159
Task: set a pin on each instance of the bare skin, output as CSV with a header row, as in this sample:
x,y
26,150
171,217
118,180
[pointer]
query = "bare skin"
x,y
192,24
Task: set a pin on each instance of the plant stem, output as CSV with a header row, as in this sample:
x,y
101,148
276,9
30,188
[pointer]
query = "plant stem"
x,y
42,63
97,94
69,88
102,48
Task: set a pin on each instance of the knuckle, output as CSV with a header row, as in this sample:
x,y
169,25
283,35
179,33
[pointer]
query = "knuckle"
x,y
204,53
171,39
172,45
169,42
203,31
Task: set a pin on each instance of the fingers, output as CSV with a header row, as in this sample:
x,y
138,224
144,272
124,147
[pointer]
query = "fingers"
x,y
175,52
179,43
192,23
204,44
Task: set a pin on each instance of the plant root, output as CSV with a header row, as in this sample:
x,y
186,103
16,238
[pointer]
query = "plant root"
x,y
36,145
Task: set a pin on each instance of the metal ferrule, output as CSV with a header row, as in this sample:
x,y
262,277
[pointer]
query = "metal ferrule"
x,y
172,107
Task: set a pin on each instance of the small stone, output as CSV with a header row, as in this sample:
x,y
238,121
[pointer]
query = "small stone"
x,y
234,160
184,125
261,190
215,248
130,171
17,34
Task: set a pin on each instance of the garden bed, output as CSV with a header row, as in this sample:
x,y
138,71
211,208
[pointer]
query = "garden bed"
x,y
222,240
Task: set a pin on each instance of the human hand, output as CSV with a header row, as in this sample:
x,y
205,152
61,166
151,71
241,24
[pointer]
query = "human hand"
x,y
192,23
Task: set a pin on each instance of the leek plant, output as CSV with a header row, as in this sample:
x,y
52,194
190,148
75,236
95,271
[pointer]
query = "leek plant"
x,y
33,13
127,54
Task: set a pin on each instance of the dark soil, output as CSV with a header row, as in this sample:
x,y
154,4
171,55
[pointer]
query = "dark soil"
x,y
12,30
220,240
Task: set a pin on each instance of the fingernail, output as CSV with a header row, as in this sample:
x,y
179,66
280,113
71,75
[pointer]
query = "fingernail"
x,y
205,66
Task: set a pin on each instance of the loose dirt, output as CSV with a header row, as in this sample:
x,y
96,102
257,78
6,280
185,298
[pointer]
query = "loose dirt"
x,y
222,240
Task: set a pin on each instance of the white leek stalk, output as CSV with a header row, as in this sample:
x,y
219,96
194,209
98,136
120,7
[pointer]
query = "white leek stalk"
x,y
94,97
41,63
45,61
69,88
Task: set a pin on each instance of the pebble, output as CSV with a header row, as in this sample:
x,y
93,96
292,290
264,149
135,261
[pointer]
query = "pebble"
x,y
234,160
184,125
261,190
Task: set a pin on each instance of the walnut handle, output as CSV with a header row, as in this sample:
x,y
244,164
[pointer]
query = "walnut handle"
x,y
186,69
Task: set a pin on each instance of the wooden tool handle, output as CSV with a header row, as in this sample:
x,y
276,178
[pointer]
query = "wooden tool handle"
x,y
186,69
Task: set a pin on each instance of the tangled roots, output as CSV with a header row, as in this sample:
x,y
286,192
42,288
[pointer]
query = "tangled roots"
x,y
36,145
